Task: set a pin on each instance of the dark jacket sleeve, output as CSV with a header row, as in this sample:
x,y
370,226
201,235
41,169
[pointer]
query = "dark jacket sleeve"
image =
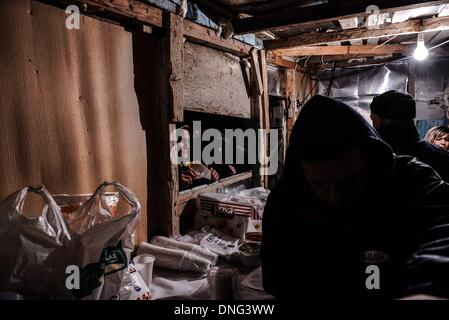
x,y
427,269
270,246
438,160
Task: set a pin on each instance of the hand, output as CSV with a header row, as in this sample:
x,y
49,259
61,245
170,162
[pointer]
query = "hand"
x,y
186,180
214,174
232,169
187,177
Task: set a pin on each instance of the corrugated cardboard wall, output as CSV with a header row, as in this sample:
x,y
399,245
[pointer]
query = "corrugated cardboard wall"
x,y
69,117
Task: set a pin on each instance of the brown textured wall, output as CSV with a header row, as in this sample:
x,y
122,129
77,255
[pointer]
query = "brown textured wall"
x,y
214,82
69,117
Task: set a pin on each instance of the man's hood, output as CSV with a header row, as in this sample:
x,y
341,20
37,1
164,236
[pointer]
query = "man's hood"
x,y
326,127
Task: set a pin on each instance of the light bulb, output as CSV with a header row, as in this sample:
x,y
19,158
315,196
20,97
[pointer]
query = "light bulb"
x,y
421,51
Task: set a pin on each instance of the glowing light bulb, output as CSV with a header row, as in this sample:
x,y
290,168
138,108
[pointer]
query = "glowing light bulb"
x,y
421,51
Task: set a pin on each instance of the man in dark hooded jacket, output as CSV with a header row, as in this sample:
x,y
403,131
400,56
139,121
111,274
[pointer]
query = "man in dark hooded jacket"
x,y
392,114
349,218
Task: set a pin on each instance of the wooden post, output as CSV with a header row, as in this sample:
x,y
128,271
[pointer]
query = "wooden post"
x,y
260,111
158,85
174,47
258,84
176,50
266,97
265,113
256,111
290,92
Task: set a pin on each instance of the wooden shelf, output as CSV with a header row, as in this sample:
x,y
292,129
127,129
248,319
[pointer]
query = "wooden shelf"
x,y
189,194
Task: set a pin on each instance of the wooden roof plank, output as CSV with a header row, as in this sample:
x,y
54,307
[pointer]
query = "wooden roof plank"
x,y
344,50
335,10
393,29
130,9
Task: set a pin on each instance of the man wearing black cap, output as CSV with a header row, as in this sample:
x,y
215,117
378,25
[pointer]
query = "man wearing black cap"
x,y
392,114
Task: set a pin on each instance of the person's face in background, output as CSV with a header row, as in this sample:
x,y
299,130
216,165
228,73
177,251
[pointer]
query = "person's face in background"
x,y
377,121
338,182
442,141
184,150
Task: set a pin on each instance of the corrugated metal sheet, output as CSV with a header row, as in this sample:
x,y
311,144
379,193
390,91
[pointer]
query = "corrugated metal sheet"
x,y
69,117
358,86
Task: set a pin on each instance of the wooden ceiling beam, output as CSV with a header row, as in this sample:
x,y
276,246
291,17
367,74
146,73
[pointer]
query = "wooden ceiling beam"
x,y
122,9
334,10
256,8
280,61
393,29
371,50
203,35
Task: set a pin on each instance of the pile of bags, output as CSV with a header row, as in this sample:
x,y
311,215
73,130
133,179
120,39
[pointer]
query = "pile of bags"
x,y
81,255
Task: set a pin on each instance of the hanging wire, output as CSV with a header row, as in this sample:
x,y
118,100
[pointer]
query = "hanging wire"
x,y
302,58
310,92
439,45
324,63
398,59
386,41
305,70
328,91
327,68
305,63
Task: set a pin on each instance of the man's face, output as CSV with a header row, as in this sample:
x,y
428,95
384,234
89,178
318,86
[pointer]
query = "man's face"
x,y
338,182
184,150
377,121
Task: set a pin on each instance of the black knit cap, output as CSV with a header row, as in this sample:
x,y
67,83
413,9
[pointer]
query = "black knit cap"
x,y
394,105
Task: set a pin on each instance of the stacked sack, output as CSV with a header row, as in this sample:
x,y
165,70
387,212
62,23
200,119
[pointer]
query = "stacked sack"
x,y
177,255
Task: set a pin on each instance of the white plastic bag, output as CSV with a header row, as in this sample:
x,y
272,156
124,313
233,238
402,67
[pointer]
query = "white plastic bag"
x,y
39,250
105,242
33,251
